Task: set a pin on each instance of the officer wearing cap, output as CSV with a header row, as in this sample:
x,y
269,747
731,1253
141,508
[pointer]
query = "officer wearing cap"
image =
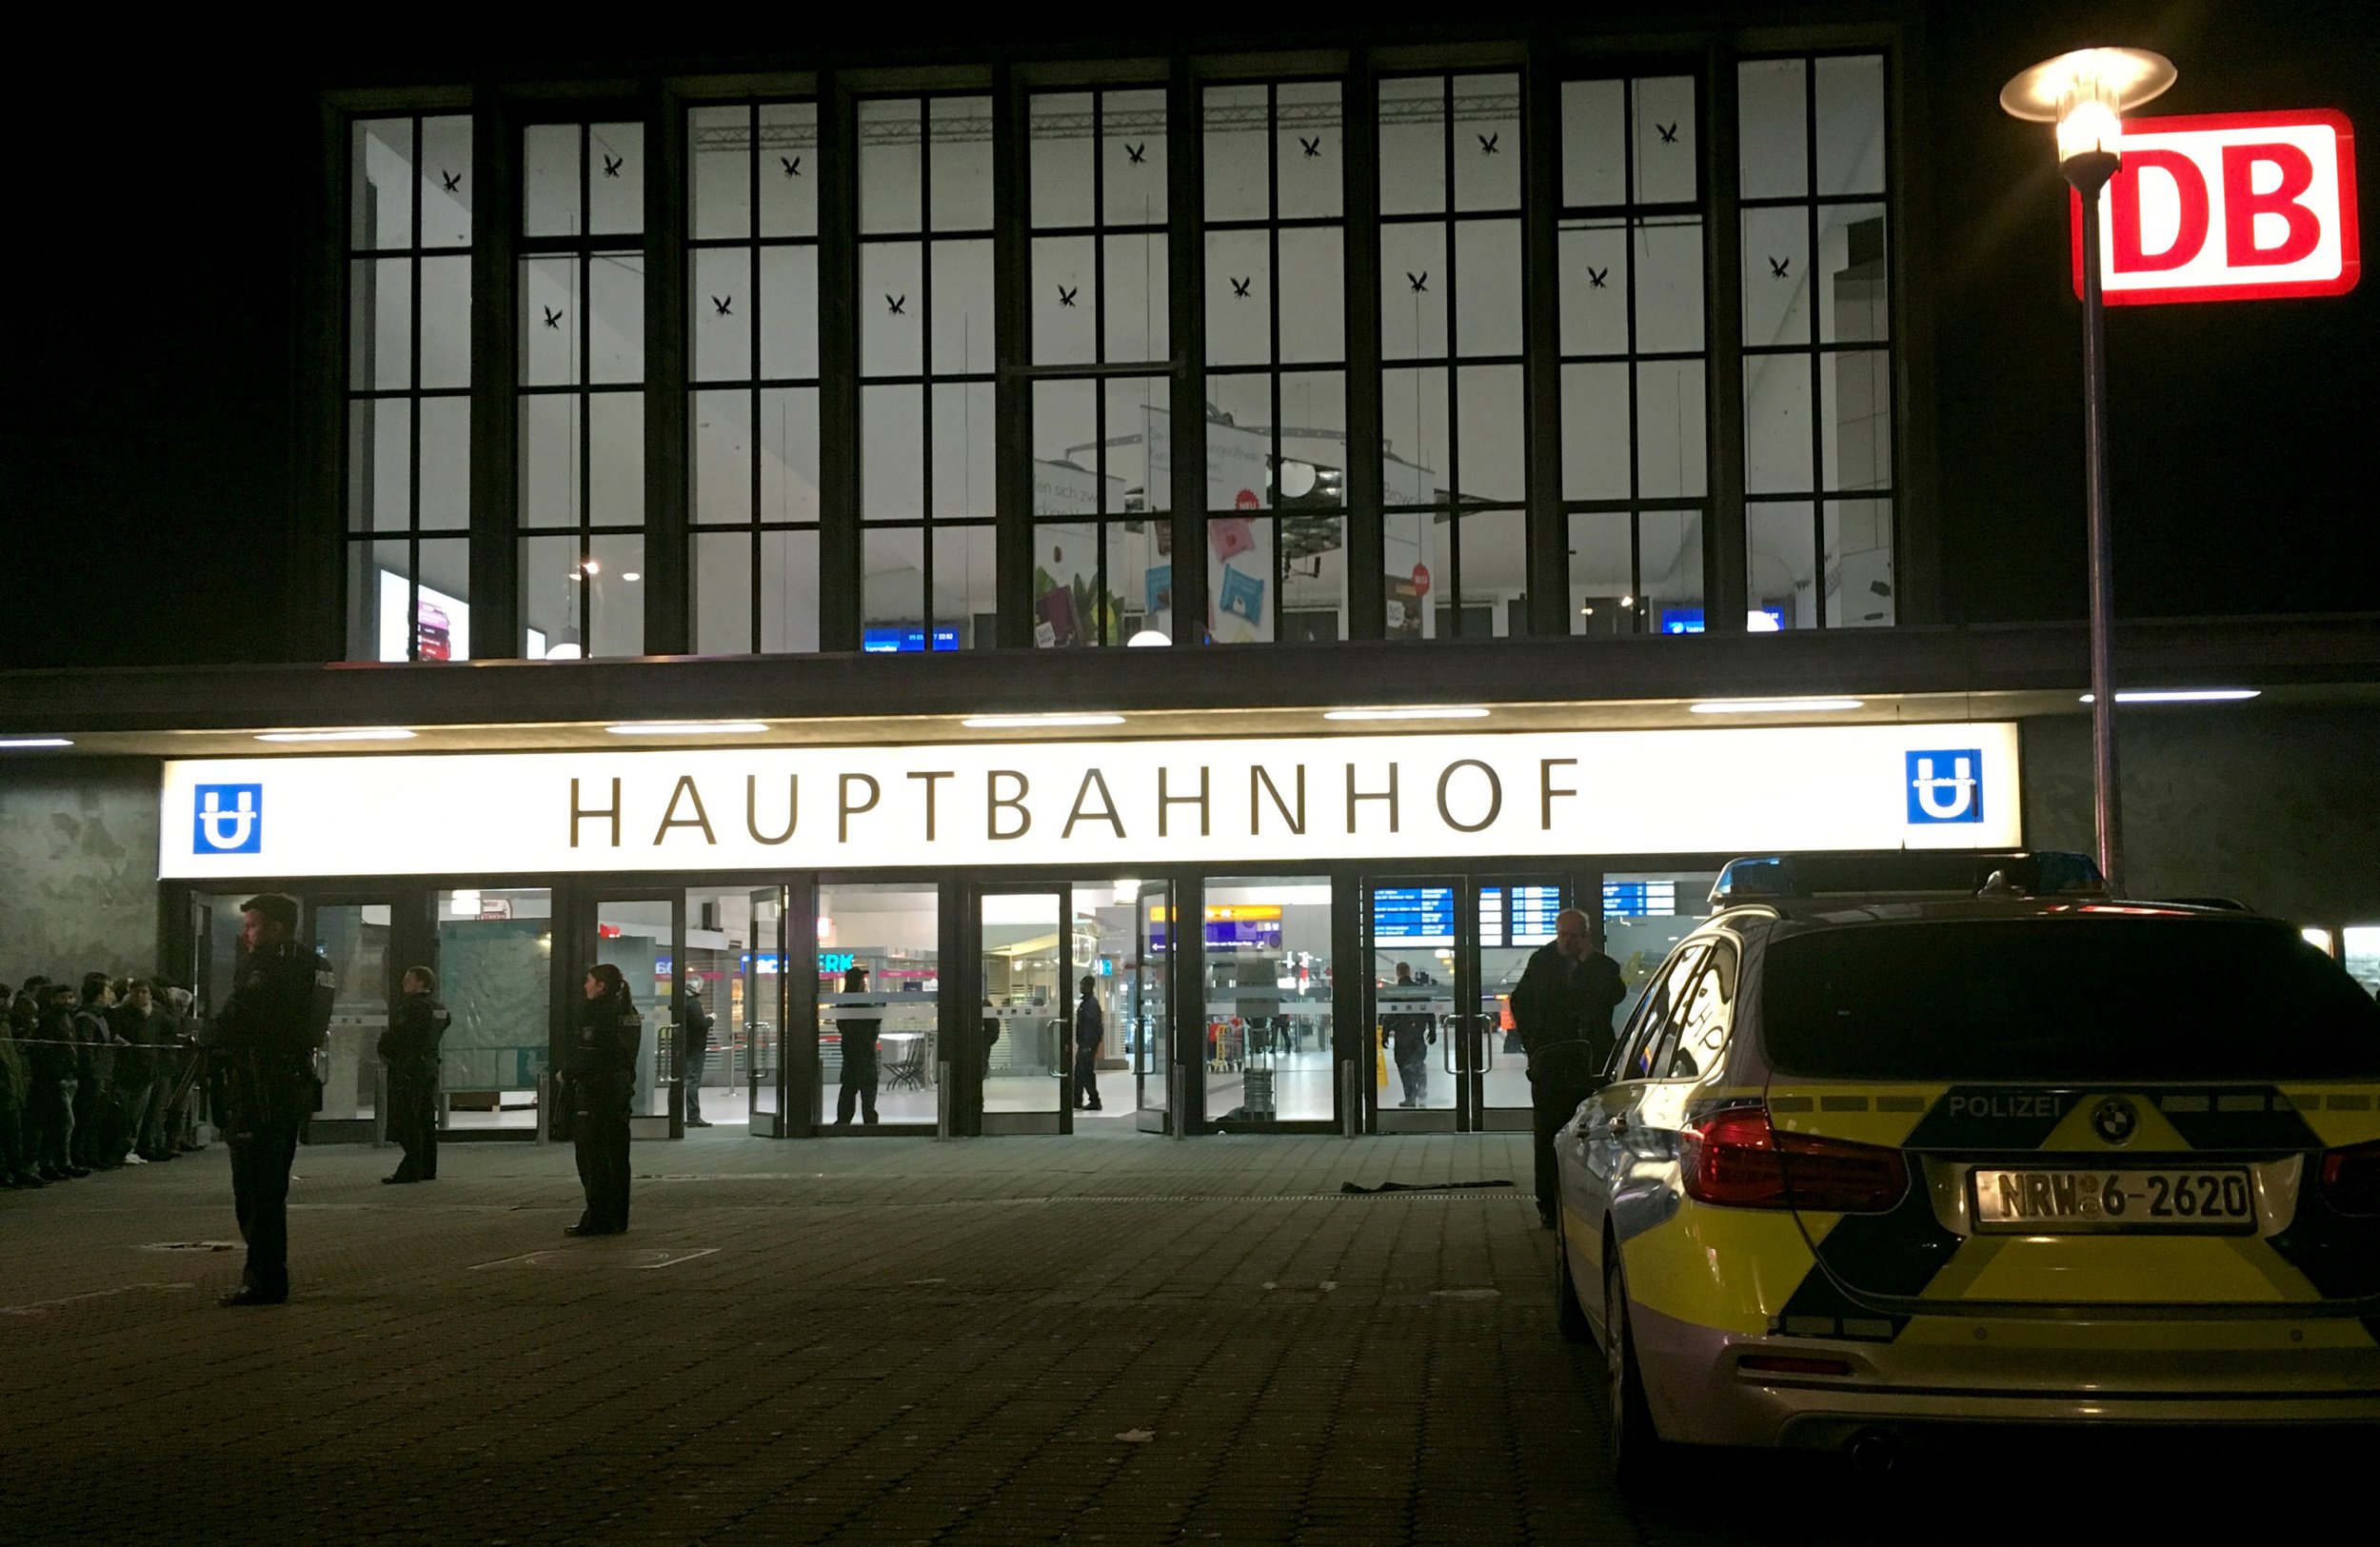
x,y
1562,1009
263,1044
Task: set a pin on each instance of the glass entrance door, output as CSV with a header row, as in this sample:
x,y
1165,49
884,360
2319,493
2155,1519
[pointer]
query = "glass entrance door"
x,y
1027,1009
764,1012
731,1008
1445,954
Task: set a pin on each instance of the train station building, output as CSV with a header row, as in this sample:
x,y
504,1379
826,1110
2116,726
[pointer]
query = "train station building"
x,y
1258,521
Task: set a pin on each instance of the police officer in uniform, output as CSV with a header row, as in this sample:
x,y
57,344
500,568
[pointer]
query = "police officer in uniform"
x,y
1562,1009
601,1072
410,1049
262,1045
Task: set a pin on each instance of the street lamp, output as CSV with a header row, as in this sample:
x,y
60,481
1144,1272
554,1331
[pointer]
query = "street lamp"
x,y
2085,94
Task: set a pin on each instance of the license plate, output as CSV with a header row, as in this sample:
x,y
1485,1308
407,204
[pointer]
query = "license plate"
x,y
2166,1198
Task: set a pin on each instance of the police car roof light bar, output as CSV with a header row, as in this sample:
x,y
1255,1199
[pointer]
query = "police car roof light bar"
x,y
1906,873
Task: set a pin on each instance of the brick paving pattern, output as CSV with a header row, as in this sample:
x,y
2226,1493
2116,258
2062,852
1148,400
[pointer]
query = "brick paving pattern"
x,y
1088,1340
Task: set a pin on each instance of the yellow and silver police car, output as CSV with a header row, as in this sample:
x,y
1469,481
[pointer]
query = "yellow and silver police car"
x,y
1897,1142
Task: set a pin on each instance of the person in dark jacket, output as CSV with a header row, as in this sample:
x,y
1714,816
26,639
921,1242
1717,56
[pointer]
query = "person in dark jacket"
x,y
16,1085
1410,1032
601,1073
136,1070
1090,1029
410,1050
694,1050
1562,1009
54,1063
95,1076
858,1030
166,1063
262,1044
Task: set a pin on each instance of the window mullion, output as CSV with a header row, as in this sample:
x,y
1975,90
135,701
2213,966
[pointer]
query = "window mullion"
x,y
1725,548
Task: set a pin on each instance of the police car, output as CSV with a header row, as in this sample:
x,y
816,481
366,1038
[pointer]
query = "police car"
x,y
1897,1141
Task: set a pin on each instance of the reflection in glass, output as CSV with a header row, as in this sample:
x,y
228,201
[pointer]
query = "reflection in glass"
x,y
353,937
495,970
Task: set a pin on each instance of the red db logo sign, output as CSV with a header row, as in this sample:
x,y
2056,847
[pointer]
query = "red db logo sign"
x,y
2231,207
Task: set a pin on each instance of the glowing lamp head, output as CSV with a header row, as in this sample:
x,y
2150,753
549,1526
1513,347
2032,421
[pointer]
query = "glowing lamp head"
x,y
2086,94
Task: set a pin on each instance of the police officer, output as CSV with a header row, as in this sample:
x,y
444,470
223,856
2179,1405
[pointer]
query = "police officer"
x,y
1562,1009
262,1044
858,1031
601,1068
410,1050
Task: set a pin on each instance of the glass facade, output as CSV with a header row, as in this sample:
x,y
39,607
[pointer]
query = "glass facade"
x,y
914,380
408,388
581,410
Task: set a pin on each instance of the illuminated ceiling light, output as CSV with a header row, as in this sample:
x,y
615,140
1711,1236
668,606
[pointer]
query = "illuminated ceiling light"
x,y
631,576
1435,712
1037,722
688,727
360,733
1775,705
2179,695
15,743
1146,638
1757,622
565,651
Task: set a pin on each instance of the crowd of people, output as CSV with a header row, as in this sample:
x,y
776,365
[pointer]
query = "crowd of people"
x,y
91,1077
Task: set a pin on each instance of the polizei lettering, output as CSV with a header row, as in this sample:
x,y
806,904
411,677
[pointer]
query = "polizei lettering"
x,y
2007,1104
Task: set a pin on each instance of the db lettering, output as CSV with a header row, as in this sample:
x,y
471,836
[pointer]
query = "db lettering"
x,y
2237,206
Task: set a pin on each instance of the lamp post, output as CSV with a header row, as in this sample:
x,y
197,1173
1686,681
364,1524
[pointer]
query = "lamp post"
x,y
2085,95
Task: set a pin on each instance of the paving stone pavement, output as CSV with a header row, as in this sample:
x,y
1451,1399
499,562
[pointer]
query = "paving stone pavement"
x,y
1087,1339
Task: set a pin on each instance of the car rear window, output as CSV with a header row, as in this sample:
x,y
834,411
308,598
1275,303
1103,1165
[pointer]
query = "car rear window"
x,y
2066,999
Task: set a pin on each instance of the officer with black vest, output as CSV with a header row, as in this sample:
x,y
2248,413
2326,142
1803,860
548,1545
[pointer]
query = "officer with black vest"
x,y
410,1050
601,1068
262,1045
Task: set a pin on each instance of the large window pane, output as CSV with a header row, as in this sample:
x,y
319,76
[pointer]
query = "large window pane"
x,y
789,470
1602,573
722,456
1672,431
1780,576
446,464
789,591
495,977
723,593
1860,563
788,169
879,979
1267,955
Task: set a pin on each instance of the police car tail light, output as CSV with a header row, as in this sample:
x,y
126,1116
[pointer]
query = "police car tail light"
x,y
2350,1179
1736,1158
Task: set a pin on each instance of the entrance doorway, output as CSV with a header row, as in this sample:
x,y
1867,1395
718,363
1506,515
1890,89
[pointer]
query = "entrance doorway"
x,y
1445,953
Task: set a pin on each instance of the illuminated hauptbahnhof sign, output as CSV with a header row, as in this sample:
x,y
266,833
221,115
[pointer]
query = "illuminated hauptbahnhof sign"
x,y
1147,801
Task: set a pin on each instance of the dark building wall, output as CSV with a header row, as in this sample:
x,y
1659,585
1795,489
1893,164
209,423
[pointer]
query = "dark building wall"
x,y
78,867
2278,807
2242,469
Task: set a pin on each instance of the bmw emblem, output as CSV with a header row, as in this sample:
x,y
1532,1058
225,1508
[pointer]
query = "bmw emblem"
x,y
2114,1121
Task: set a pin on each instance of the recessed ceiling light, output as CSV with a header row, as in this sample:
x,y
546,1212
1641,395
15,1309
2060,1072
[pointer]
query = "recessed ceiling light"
x,y
359,733
689,727
1775,705
2180,695
19,742
1430,712
1037,722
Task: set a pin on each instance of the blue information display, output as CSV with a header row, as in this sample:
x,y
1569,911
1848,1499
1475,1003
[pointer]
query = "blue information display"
x,y
901,639
1530,915
1639,898
1418,914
